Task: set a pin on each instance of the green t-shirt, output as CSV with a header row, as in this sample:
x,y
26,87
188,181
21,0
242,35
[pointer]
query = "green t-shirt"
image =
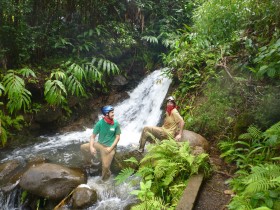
x,y
107,133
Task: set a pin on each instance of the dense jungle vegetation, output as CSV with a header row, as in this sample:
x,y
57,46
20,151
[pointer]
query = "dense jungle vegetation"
x,y
223,56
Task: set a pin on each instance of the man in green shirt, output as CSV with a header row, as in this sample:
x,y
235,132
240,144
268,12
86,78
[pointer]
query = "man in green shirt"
x,y
108,131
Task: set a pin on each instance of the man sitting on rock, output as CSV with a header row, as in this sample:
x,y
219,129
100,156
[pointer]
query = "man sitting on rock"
x,y
109,132
172,127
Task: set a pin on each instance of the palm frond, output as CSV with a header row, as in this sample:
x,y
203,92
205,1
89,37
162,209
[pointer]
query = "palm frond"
x,y
19,97
27,72
150,39
55,92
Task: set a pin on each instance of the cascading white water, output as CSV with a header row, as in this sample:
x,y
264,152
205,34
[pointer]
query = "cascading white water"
x,y
140,109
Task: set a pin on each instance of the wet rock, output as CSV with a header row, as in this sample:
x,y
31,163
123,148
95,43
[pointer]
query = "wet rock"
x,y
51,181
8,168
116,96
195,139
9,173
48,115
119,80
119,162
83,197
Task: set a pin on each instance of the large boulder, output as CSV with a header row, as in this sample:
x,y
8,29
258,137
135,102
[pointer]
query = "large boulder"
x,y
51,181
195,140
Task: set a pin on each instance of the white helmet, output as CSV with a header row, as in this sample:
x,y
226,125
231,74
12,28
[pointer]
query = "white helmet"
x,y
171,98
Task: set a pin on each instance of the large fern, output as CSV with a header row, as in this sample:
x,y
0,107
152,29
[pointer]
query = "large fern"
x,y
167,165
253,147
262,178
259,189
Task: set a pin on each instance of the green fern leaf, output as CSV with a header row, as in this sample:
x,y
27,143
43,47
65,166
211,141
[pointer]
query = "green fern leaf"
x,y
124,175
132,160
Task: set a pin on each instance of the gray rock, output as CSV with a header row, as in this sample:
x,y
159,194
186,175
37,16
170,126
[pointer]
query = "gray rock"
x,y
51,181
83,197
195,139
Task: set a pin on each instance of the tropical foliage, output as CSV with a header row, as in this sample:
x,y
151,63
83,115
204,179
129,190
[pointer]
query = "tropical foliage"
x,y
164,171
257,189
256,156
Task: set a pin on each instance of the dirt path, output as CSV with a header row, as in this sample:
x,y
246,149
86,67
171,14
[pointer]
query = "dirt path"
x,y
212,194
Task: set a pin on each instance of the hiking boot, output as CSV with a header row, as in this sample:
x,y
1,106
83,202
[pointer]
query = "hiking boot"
x,y
140,150
95,162
92,171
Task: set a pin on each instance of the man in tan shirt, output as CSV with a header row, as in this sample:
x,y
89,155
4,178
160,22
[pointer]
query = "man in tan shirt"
x,y
172,127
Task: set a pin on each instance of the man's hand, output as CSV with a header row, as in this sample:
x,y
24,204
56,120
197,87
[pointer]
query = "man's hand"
x,y
92,150
109,149
178,137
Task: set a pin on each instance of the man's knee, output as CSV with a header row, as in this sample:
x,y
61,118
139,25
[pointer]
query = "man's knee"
x,y
147,129
84,147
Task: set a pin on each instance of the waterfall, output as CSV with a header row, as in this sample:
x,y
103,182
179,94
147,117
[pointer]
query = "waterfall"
x,y
140,109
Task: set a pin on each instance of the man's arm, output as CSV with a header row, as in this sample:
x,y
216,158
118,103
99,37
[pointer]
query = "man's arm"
x,y
91,143
181,127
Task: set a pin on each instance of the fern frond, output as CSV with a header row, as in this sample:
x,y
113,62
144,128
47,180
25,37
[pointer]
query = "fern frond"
x,y
124,175
132,160
262,178
253,133
272,135
151,204
240,203
160,168
170,174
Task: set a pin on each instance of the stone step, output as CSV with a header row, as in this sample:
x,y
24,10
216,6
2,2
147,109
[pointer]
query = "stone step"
x,y
190,193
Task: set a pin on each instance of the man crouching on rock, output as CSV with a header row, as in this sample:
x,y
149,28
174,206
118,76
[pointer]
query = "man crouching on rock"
x,y
109,132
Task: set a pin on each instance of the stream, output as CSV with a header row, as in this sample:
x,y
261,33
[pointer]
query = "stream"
x,y
142,108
